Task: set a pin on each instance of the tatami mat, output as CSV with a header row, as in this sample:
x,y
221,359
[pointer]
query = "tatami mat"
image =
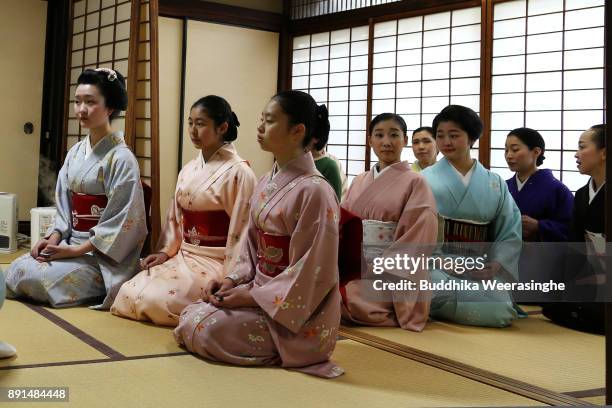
x,y
374,378
8,258
128,337
39,341
595,400
532,350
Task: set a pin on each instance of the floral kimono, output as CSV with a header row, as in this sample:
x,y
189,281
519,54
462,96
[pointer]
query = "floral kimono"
x,y
205,221
99,198
289,263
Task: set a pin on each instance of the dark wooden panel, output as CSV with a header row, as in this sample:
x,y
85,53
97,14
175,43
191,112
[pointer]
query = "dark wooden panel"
x,y
383,12
221,13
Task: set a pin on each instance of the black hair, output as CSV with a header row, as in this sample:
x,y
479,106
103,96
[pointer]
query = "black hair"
x,y
302,108
532,138
599,135
111,85
462,116
388,116
219,111
427,129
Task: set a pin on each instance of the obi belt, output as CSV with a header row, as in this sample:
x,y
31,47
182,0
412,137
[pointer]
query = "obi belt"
x,y
205,228
272,253
87,210
464,237
361,240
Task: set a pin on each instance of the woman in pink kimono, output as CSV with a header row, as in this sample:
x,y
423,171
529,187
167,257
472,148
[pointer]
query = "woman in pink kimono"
x,y
398,216
204,223
280,305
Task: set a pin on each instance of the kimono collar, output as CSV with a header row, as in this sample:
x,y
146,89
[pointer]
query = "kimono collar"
x,y
300,165
592,192
451,177
399,166
223,153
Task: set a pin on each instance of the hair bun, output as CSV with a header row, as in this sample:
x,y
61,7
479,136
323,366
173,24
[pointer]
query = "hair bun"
x,y
322,112
235,119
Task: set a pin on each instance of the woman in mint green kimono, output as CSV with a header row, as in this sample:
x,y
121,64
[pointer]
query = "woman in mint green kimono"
x,y
100,227
474,206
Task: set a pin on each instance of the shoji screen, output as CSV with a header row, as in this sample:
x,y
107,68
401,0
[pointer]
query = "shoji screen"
x,y
100,38
422,64
548,74
333,68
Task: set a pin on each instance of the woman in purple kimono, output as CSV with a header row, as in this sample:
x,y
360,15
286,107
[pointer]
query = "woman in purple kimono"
x,y
546,211
280,304
545,202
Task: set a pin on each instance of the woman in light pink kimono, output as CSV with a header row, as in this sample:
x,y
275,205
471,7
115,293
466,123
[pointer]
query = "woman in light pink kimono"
x,y
205,221
280,305
398,215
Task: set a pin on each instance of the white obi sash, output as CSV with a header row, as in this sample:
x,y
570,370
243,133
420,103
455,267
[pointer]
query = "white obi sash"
x,y
377,237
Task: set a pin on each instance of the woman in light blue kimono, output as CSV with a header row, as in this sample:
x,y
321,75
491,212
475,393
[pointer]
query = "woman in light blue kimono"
x,y
100,226
6,350
475,207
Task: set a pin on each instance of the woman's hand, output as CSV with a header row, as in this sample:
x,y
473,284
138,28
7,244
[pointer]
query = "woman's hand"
x,y
55,252
153,260
490,270
217,285
40,246
530,228
239,296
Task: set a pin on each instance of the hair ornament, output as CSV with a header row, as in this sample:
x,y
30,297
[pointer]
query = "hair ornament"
x,y
112,75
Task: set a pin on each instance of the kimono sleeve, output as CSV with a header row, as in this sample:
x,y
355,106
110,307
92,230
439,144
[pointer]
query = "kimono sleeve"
x,y
237,192
63,200
556,227
170,239
122,226
507,231
291,297
243,268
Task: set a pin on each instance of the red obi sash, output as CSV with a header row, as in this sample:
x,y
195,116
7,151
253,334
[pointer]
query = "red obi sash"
x,y
272,253
86,210
205,228
349,249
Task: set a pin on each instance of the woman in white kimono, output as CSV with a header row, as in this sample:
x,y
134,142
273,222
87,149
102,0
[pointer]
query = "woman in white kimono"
x,y
205,221
100,226
6,350
475,207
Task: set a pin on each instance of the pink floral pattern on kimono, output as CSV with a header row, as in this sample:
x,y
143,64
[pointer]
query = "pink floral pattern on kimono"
x,y
296,323
224,183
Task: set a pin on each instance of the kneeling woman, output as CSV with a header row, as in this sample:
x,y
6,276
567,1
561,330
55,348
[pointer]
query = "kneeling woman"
x,y
204,222
398,212
280,305
100,226
475,206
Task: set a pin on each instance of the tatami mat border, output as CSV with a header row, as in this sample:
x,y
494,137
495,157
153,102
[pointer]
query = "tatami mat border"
x,y
474,373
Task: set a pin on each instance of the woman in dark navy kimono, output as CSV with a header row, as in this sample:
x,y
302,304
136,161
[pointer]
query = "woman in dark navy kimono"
x,y
584,275
546,211
545,203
